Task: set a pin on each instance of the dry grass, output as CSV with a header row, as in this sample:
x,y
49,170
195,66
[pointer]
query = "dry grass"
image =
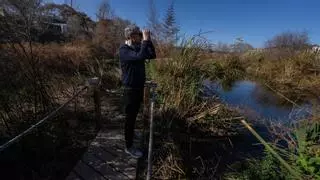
x,y
34,75
296,75
169,164
179,78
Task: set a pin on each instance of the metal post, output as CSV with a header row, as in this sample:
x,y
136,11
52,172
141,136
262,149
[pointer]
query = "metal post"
x,y
94,82
152,87
146,112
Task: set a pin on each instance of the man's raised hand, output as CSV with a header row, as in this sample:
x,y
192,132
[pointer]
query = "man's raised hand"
x,y
146,34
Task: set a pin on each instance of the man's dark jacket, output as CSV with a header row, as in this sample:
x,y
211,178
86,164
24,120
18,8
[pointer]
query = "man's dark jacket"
x,y
132,60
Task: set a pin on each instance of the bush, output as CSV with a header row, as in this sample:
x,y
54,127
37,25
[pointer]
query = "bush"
x,y
264,169
226,69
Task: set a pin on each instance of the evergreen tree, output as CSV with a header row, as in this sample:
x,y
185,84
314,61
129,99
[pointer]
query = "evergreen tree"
x,y
170,28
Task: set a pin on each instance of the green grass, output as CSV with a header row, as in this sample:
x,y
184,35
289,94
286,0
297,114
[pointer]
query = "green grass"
x,y
303,155
307,158
264,169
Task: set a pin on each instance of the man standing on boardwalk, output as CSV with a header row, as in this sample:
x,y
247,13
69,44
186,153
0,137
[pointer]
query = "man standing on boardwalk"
x,y
133,53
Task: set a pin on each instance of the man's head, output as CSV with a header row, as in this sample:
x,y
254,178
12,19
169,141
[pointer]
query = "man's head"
x,y
133,33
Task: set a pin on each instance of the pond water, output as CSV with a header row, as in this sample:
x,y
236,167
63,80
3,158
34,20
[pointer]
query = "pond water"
x,y
255,101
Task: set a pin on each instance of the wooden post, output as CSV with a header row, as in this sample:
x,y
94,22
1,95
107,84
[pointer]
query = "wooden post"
x,y
95,85
152,89
145,116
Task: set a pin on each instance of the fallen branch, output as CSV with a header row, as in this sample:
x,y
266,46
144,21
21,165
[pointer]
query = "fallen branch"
x,y
231,119
212,111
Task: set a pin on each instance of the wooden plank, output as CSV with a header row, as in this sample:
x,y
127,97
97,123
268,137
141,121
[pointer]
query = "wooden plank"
x,y
109,147
111,139
102,167
87,173
73,176
105,159
116,159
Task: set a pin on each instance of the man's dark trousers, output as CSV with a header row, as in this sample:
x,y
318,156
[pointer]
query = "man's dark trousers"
x,y
132,99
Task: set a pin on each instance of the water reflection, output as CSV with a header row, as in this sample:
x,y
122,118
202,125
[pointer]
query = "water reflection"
x,y
254,100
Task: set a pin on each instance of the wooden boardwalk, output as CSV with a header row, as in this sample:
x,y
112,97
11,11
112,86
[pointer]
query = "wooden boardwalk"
x,y
105,157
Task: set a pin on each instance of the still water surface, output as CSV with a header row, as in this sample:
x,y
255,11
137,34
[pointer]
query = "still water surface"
x,y
255,101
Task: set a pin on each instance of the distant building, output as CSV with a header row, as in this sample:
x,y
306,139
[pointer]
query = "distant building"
x,y
58,27
316,48
50,29
56,24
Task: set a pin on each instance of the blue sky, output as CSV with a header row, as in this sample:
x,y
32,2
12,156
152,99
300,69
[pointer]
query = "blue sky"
x,y
253,20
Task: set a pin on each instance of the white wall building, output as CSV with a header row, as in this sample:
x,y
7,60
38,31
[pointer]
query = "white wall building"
x,y
316,48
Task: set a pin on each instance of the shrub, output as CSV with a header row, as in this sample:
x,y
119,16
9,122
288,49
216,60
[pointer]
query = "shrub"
x,y
226,69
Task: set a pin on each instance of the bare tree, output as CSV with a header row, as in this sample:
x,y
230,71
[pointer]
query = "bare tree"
x,y
117,30
153,22
109,30
102,33
241,46
24,81
289,40
104,11
222,47
109,34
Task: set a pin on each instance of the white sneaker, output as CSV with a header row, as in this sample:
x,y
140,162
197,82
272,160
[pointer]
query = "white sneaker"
x,y
136,153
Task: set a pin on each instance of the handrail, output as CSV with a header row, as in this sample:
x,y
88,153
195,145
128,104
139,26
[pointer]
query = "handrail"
x,y
18,137
152,87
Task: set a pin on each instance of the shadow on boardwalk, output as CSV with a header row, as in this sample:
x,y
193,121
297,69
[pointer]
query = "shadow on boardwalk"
x,y
70,139
105,157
